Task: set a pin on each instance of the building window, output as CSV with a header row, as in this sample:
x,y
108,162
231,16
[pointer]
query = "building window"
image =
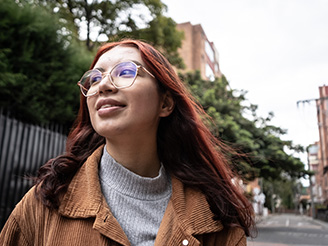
x,y
209,51
216,66
313,149
209,73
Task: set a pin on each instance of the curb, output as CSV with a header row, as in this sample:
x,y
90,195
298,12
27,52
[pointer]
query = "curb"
x,y
320,222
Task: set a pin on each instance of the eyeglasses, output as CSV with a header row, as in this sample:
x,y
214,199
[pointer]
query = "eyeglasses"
x,y
121,76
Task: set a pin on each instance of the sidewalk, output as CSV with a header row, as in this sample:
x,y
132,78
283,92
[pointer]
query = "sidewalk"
x,y
324,224
317,221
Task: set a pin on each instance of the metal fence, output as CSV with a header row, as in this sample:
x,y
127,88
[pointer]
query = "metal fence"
x,y
23,149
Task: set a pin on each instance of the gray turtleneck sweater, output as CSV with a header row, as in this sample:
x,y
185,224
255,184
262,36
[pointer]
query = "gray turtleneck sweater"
x,y
138,203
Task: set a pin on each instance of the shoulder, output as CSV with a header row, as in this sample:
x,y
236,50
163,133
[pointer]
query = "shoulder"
x,y
23,220
28,207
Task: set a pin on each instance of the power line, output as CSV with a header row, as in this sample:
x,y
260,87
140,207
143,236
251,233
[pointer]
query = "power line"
x,y
310,100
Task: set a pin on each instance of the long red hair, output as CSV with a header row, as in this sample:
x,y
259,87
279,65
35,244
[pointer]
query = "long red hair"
x,y
186,147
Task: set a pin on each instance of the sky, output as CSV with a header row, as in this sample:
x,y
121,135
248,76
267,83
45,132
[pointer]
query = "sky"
x,y
277,50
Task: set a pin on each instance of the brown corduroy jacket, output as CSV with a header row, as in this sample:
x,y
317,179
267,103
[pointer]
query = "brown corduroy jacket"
x,y
84,218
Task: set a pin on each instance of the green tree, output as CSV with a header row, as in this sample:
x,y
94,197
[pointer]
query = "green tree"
x,y
39,65
285,190
162,33
265,154
99,20
106,17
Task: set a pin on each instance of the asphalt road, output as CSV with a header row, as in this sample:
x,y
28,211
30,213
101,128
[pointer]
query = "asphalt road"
x,y
289,229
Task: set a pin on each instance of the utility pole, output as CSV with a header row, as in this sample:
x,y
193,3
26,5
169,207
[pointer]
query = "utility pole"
x,y
311,185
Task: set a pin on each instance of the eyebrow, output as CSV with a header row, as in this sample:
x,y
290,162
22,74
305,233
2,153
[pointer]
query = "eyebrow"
x,y
120,61
100,69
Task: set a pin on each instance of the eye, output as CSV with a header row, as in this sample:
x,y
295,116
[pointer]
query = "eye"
x,y
91,77
95,77
125,70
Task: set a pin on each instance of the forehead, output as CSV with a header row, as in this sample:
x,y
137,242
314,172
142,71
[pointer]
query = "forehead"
x,y
118,54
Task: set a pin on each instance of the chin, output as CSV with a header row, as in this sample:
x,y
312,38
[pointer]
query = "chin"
x,y
109,132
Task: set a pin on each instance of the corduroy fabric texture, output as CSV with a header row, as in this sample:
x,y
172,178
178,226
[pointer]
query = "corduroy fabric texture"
x,y
84,218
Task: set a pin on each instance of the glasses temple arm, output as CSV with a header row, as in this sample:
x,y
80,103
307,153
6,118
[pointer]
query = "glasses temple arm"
x,y
146,70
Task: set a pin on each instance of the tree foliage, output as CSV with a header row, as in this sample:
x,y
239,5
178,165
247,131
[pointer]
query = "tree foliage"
x,y
96,20
162,34
265,154
39,65
281,193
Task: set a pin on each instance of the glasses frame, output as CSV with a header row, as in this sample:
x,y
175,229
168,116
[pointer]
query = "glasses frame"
x,y
108,74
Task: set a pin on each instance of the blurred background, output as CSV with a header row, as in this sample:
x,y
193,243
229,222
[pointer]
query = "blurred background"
x,y
258,68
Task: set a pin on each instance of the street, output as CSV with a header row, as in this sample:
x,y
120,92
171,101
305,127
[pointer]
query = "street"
x,y
290,229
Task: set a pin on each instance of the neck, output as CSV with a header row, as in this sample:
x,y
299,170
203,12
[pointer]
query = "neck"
x,y
138,156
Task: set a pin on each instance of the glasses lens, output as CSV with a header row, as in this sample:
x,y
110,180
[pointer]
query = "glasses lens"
x,y
124,74
89,81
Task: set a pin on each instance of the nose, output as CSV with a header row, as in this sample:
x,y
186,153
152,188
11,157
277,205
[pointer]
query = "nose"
x,y
106,85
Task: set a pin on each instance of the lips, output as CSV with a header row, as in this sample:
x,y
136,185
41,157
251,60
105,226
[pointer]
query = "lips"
x,y
108,103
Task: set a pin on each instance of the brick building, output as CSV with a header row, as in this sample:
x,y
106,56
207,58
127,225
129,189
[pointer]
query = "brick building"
x,y
198,53
322,114
314,157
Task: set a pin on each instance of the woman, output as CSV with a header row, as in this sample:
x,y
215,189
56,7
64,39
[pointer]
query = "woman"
x,y
140,166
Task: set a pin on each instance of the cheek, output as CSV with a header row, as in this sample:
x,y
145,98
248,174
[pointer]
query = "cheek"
x,y
88,105
147,101
150,111
91,109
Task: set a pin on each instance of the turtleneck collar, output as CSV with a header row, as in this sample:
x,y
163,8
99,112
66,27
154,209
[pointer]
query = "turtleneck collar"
x,y
124,181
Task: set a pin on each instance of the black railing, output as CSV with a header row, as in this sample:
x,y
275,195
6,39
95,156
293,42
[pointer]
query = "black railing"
x,y
322,214
23,149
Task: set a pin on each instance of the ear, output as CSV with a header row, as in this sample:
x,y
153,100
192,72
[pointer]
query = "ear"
x,y
167,104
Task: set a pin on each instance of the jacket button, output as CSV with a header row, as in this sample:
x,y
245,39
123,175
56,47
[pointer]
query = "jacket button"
x,y
185,242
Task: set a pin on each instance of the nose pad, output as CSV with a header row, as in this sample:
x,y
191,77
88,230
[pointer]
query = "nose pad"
x,y
106,85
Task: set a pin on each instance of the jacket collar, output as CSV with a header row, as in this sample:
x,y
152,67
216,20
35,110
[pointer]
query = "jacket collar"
x,y
192,210
84,199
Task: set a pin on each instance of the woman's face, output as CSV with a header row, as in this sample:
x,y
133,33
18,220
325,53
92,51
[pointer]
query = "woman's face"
x,y
132,111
